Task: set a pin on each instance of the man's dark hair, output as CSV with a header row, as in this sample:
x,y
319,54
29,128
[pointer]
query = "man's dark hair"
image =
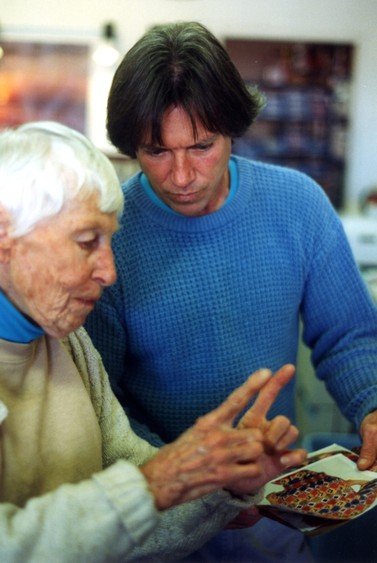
x,y
177,65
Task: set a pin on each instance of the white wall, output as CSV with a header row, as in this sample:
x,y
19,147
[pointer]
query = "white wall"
x,y
323,20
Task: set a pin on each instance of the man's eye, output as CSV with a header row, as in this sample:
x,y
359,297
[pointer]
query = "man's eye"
x,y
203,147
155,152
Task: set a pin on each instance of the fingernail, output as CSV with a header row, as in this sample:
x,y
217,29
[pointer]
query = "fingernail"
x,y
285,460
363,461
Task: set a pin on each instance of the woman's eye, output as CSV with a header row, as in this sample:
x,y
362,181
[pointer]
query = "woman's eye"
x,y
90,244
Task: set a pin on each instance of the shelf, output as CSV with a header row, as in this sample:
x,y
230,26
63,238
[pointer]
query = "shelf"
x,y
305,121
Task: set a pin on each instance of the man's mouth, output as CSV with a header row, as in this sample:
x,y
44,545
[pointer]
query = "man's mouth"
x,y
184,197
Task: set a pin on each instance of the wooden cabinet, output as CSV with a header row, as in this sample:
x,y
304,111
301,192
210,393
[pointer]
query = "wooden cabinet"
x,y
305,121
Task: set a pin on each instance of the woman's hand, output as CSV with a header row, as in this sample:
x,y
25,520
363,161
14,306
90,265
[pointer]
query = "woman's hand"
x,y
213,454
277,433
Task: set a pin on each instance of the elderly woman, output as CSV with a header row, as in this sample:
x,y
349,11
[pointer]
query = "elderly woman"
x,y
76,483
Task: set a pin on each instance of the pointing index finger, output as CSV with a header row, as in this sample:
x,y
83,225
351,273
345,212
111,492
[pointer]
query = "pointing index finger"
x,y
239,399
267,396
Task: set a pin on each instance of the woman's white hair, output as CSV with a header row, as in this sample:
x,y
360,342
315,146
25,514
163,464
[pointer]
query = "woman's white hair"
x,y
45,164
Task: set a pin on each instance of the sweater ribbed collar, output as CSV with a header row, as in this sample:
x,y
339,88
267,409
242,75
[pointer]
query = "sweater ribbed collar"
x,y
14,326
149,191
191,225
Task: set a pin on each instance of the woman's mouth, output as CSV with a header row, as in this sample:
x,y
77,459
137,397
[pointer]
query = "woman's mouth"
x,y
88,302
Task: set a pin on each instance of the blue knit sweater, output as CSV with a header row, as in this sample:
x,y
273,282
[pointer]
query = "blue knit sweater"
x,y
202,302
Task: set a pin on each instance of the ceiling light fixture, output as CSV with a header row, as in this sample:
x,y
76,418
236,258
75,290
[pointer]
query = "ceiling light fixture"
x,y
106,52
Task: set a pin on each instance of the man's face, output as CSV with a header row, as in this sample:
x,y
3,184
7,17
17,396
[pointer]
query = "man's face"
x,y
188,173
55,274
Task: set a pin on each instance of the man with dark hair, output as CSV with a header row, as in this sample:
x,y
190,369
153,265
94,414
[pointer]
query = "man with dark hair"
x,y
218,257
178,66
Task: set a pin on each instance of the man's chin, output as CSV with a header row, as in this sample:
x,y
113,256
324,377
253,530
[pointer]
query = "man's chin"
x,y
194,209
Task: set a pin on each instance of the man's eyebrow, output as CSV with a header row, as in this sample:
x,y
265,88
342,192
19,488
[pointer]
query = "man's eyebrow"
x,y
151,146
206,140
199,141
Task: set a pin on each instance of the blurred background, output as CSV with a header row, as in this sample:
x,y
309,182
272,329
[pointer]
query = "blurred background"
x,y
316,62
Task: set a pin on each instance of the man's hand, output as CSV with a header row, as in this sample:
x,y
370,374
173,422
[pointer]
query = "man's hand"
x,y
368,432
245,519
213,454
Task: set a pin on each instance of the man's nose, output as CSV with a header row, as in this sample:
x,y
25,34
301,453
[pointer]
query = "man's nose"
x,y
182,170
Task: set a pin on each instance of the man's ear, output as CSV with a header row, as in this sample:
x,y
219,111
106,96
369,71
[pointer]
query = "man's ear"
x,y
5,239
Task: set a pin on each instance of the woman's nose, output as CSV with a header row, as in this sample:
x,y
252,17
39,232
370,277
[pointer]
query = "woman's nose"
x,y
105,272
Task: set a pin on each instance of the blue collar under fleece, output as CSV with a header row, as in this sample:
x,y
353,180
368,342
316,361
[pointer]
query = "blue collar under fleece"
x,y
14,326
233,173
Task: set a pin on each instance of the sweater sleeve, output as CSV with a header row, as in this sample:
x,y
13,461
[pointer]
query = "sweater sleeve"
x,y
184,529
97,520
111,516
112,344
340,321
180,530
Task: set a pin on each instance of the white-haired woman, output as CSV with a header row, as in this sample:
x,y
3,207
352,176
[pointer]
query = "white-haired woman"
x,y
76,483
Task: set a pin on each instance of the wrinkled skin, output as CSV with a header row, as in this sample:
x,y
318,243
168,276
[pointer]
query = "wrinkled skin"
x,y
213,454
56,273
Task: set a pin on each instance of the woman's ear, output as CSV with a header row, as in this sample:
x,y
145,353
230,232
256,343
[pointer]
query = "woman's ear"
x,y
5,239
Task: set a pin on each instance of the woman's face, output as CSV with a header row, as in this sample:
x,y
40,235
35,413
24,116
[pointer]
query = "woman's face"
x,y
56,273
